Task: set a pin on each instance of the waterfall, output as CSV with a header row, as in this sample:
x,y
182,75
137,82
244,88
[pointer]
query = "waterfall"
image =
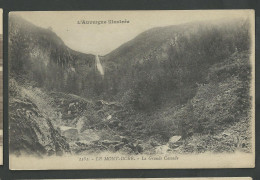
x,y
99,66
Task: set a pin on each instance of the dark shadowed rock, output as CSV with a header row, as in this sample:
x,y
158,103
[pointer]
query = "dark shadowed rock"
x,y
71,134
34,135
107,142
174,142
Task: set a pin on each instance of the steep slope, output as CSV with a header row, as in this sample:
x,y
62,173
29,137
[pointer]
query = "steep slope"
x,y
184,81
31,129
40,57
166,74
160,38
218,117
167,62
43,73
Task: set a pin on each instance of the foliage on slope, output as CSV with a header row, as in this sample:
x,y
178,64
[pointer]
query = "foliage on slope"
x,y
164,64
190,80
218,117
39,56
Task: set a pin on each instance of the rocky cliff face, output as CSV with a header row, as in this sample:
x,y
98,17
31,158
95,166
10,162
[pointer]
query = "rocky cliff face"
x,y
40,60
31,131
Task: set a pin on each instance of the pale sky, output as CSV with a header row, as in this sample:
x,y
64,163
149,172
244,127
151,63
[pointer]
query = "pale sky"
x,y
102,39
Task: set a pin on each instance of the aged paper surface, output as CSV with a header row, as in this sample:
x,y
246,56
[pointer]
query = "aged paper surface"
x,y
132,89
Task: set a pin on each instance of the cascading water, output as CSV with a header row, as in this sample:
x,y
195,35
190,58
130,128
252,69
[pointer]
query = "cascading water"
x,y
99,66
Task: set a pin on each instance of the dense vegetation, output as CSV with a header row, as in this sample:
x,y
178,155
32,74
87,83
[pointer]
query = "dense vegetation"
x,y
191,80
169,63
39,57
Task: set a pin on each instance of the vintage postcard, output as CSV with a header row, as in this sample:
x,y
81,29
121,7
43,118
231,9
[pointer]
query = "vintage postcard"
x,y
131,89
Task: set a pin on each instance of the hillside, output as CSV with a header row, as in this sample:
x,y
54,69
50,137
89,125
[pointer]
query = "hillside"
x,y
168,62
170,89
39,56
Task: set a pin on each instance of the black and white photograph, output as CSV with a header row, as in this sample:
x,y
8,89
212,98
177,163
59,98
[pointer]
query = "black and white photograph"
x,y
131,89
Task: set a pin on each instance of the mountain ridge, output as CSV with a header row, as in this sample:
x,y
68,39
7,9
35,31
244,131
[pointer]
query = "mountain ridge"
x,y
165,82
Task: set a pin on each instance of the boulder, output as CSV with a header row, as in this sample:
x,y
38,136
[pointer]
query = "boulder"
x,y
174,141
161,149
71,104
109,117
119,146
113,124
108,143
124,139
81,143
139,148
120,138
71,134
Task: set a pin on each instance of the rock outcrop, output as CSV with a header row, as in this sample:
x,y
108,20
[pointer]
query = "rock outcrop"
x,y
31,133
